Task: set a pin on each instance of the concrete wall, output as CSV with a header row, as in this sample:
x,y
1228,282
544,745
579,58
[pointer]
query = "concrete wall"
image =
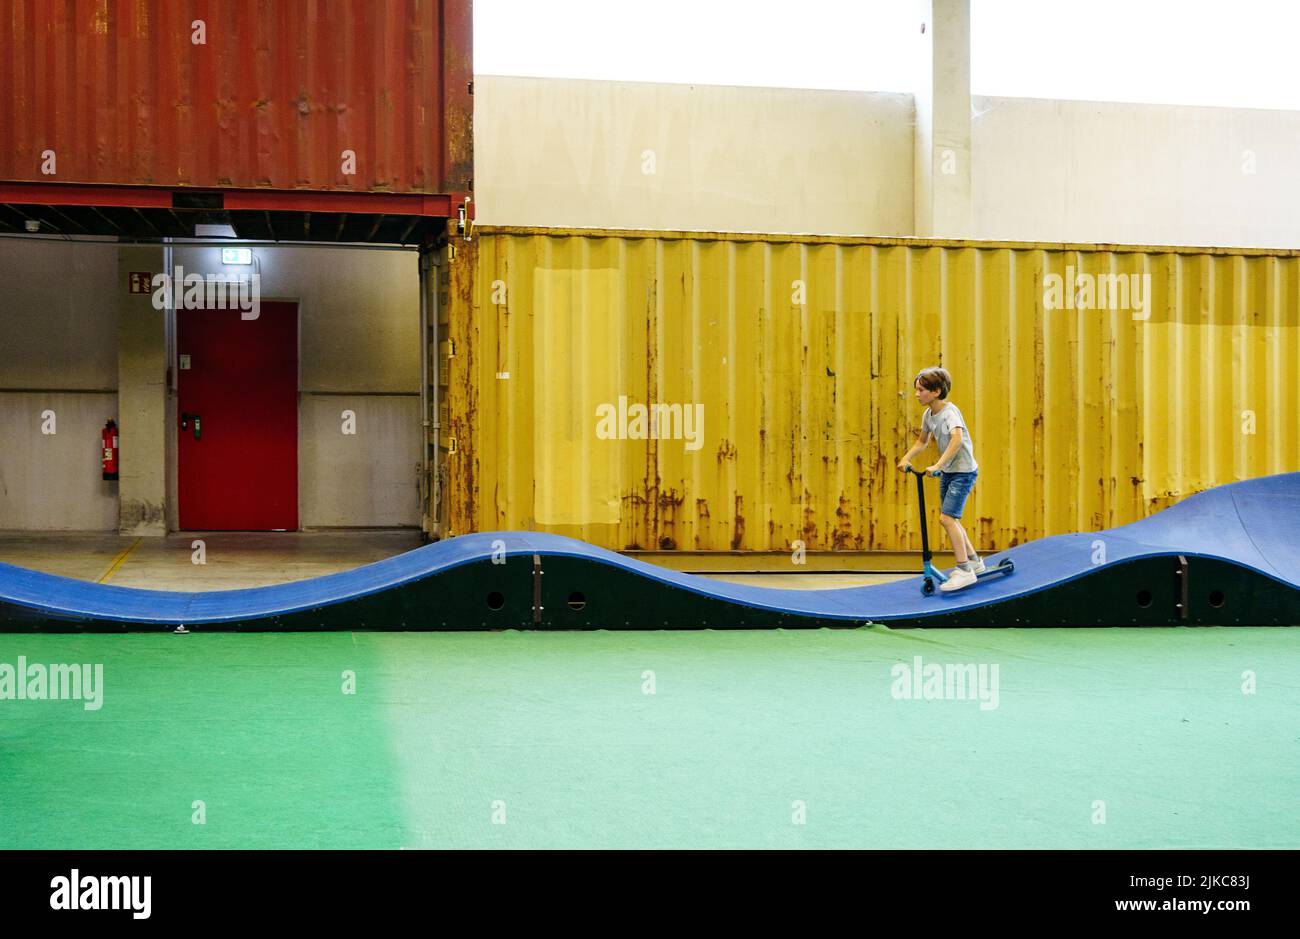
x,y
52,481
144,406
364,479
570,153
59,320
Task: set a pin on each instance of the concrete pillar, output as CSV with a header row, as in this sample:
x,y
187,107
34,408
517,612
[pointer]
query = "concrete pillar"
x,y
141,400
942,140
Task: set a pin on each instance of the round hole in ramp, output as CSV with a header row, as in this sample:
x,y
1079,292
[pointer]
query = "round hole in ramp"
x,y
577,601
495,600
1144,598
1216,598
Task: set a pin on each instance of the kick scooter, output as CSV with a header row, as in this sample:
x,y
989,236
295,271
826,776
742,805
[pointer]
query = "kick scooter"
x,y
932,573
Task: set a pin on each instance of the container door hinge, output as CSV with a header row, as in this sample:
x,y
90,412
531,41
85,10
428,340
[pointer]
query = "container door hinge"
x,y
464,224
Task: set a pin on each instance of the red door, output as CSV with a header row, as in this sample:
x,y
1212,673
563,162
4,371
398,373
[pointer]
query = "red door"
x,y
237,463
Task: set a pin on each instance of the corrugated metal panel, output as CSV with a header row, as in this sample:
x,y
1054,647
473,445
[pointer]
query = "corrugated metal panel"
x,y
122,95
1082,418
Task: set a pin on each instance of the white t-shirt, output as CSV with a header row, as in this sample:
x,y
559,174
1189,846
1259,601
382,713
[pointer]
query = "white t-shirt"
x,y
940,426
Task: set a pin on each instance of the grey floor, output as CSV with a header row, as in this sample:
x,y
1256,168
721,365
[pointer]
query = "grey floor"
x,y
254,559
231,559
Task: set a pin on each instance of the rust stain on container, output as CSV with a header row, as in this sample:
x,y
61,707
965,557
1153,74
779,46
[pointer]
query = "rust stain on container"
x,y
261,95
806,408
738,524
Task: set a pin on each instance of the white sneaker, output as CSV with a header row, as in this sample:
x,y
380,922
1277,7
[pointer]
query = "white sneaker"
x,y
959,579
976,568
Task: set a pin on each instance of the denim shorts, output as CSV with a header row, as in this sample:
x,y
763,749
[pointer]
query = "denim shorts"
x,y
953,490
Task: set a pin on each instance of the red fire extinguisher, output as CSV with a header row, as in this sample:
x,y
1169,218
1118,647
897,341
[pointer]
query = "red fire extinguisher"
x,y
109,451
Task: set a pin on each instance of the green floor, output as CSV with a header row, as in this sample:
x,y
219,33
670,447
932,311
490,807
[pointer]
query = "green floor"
x,y
750,739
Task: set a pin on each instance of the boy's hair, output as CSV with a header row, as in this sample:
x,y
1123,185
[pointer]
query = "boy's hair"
x,y
935,379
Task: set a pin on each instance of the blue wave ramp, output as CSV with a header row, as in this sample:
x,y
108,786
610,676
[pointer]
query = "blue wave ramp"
x,y
1226,556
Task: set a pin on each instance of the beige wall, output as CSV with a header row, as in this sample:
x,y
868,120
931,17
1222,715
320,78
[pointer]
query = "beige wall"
x,y
566,153
570,153
1150,174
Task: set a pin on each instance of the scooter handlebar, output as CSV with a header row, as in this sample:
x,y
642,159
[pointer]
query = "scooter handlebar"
x,y
911,469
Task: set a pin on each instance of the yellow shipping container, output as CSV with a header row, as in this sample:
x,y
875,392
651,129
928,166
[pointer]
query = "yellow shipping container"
x,y
722,392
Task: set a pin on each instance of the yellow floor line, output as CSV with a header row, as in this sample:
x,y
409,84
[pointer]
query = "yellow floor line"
x,y
117,562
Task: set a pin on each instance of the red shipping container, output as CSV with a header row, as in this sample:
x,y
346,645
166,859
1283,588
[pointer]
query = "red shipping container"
x,y
238,94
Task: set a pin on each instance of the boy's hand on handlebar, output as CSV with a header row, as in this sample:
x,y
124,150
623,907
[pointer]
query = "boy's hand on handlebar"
x,y
932,470
903,465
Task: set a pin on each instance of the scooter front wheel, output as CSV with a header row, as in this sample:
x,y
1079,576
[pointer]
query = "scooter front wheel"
x,y
927,587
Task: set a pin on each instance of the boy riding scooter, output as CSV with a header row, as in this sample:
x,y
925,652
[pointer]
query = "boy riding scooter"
x,y
956,468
